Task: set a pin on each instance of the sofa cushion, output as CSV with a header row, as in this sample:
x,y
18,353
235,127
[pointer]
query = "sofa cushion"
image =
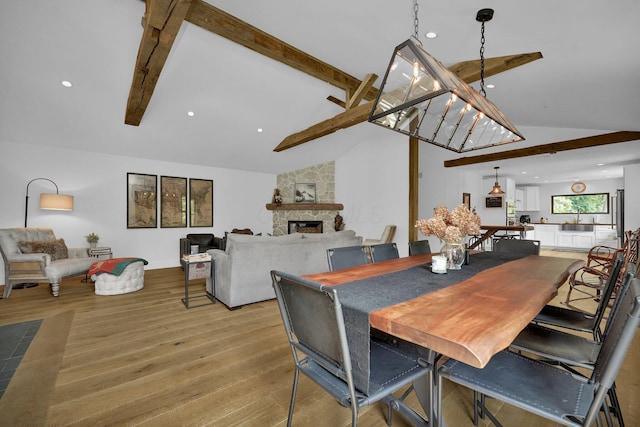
x,y
56,248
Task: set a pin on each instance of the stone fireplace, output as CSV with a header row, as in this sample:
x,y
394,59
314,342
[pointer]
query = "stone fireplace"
x,y
324,210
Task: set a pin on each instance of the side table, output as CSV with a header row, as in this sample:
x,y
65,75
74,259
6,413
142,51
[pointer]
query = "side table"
x,y
199,269
100,251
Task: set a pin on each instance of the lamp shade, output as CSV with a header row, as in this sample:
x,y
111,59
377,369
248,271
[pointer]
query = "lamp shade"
x,y
421,98
56,202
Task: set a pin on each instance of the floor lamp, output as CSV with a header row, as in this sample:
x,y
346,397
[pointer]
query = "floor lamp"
x,y
49,201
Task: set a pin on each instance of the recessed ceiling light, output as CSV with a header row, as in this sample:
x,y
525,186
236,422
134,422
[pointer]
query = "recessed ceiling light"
x,y
431,35
490,86
67,83
536,177
259,130
600,164
523,172
190,113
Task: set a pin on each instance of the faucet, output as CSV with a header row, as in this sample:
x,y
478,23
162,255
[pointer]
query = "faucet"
x,y
578,217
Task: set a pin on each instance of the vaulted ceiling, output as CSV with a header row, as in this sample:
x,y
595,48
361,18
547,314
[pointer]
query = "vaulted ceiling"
x,y
583,86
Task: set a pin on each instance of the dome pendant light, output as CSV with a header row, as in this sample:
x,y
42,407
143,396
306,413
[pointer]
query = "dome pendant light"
x,y
496,187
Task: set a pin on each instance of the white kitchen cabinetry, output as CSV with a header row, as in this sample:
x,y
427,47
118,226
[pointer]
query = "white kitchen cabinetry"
x,y
527,199
572,239
606,236
532,198
519,200
546,234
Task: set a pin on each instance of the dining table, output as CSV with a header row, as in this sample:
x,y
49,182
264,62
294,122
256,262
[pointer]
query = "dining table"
x,y
468,314
490,230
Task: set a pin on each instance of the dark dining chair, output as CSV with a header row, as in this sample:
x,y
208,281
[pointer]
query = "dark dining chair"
x,y
419,247
345,257
552,392
578,320
520,246
570,350
315,327
383,252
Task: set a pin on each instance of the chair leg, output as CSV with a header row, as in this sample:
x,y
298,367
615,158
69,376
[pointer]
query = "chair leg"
x,y
294,389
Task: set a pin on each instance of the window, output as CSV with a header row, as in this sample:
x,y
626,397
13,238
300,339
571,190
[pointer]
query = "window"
x,y
597,203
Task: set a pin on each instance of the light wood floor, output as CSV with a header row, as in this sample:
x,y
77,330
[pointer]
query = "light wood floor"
x,y
142,359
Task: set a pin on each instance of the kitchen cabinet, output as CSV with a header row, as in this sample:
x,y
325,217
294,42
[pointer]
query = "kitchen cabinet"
x,y
569,239
546,234
519,200
606,236
527,199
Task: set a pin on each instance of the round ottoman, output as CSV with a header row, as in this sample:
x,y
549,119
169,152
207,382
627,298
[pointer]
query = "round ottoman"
x,y
130,280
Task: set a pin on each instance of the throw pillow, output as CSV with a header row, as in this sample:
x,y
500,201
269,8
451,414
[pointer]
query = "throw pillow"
x,y
56,248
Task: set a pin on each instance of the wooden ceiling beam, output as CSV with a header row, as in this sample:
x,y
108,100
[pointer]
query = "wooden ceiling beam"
x,y
357,96
469,71
552,148
161,23
220,22
351,117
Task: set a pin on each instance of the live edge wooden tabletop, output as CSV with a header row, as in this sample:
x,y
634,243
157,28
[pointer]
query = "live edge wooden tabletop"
x,y
471,320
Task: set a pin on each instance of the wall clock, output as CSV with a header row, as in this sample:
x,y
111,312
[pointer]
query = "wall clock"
x,y
578,187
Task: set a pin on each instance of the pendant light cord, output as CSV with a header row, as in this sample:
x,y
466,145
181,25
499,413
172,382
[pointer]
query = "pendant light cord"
x,y
416,22
484,93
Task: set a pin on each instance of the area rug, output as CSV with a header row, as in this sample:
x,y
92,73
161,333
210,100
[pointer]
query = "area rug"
x,y
14,342
25,402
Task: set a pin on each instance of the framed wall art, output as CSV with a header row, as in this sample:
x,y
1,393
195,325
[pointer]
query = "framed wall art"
x,y
200,202
466,200
173,202
142,207
493,201
304,193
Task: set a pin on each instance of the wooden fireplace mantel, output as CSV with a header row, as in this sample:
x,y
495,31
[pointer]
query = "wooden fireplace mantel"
x,y
305,207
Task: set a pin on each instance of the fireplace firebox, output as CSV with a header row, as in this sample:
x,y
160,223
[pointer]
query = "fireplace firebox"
x,y
305,227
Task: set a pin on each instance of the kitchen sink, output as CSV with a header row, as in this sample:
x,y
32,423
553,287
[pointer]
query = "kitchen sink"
x,y
577,227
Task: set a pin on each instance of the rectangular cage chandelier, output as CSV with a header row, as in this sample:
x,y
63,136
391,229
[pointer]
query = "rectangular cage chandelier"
x,y
421,98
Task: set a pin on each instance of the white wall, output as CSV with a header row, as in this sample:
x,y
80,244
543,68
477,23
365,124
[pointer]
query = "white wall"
x,y
98,183
442,186
372,181
632,197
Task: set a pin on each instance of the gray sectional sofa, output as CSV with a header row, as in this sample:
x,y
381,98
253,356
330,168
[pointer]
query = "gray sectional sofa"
x,y
242,270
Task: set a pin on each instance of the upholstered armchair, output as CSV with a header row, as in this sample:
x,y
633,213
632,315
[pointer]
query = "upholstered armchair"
x,y
388,234
204,241
35,255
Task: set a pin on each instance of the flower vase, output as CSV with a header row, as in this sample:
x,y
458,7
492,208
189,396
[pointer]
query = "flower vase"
x,y
93,244
454,252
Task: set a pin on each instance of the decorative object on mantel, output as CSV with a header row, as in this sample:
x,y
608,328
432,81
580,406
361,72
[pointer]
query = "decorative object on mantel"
x,y
452,227
304,193
277,198
420,97
338,223
92,239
